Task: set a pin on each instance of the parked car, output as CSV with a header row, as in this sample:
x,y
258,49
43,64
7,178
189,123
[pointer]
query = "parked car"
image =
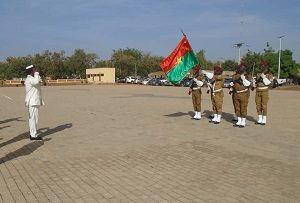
x,y
186,82
167,83
120,80
155,82
145,81
137,81
227,82
130,79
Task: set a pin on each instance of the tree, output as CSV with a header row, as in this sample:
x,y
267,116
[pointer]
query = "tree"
x,y
206,64
126,61
230,65
79,62
16,66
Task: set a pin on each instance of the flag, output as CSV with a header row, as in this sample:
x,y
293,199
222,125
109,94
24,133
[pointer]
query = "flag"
x,y
179,62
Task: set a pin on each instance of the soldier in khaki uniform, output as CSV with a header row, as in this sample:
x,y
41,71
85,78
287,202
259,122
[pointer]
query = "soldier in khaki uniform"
x,y
233,97
264,80
195,90
241,86
217,94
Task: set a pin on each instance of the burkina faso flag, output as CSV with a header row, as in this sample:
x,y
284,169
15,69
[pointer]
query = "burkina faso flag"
x,y
179,62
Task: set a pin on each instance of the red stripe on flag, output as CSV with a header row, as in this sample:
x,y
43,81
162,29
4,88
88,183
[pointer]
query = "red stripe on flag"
x,y
181,49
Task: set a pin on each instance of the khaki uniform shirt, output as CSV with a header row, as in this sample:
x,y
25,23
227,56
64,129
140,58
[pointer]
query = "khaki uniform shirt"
x,y
219,82
260,85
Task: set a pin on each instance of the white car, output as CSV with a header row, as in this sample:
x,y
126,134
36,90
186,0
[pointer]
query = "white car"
x,y
130,79
145,81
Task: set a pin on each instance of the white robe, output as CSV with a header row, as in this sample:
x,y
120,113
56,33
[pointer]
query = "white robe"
x,y
33,101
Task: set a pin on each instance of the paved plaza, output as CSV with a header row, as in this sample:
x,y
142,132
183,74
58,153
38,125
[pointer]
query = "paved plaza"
x,y
131,143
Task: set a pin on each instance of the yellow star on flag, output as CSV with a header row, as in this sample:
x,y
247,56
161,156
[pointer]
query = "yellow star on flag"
x,y
178,60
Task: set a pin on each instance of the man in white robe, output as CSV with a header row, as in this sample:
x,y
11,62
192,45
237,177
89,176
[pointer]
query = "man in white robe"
x,y
33,99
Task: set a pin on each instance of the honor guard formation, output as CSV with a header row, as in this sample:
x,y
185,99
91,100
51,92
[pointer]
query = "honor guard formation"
x,y
242,83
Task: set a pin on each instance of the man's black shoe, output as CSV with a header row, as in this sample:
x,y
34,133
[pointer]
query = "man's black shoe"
x,y
36,138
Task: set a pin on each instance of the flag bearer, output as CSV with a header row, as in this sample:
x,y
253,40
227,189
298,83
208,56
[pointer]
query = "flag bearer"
x,y
195,90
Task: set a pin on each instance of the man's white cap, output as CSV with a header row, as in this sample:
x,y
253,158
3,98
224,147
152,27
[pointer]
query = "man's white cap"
x,y
28,67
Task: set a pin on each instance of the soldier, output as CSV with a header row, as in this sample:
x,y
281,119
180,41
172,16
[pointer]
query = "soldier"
x,y
195,90
241,86
264,80
217,94
233,97
33,99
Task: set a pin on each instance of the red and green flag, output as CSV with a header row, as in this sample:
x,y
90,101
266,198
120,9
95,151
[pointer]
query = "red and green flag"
x,y
179,62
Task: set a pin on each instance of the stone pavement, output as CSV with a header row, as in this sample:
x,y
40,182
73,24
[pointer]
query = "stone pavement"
x,y
138,144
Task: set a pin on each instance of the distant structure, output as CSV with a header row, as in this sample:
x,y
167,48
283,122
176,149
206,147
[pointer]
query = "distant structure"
x,y
158,74
101,75
239,45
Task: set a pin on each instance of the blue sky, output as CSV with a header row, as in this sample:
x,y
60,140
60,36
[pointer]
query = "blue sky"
x,y
153,26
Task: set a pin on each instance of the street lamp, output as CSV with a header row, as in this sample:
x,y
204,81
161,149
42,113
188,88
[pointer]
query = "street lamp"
x,y
239,45
280,37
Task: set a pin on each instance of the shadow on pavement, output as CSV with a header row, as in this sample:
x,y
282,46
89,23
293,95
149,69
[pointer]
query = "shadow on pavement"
x,y
7,126
227,116
33,145
23,151
11,119
44,132
178,114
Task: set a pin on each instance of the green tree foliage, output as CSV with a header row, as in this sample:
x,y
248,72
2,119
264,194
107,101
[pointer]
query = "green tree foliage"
x,y
134,62
229,65
130,61
206,64
50,64
79,62
288,67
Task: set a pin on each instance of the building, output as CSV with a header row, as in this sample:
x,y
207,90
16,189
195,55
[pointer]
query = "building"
x,y
101,75
158,74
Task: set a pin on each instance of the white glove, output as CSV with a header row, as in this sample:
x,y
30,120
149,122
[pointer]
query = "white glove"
x,y
266,81
243,77
246,83
203,72
198,82
209,75
263,76
231,84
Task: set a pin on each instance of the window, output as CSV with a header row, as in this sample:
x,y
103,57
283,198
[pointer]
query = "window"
x,y
102,74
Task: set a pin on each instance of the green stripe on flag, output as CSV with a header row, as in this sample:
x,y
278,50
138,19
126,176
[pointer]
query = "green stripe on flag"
x,y
178,72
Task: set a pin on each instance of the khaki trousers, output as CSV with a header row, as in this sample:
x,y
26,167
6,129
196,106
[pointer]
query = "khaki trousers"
x,y
233,95
261,100
217,102
196,99
241,104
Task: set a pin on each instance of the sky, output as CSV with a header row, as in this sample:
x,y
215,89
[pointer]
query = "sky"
x,y
29,27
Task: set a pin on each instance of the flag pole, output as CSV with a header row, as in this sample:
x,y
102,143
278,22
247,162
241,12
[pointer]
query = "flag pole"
x,y
182,32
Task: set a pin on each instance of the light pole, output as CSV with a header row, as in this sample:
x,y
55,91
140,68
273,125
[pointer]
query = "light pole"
x,y
239,45
280,37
